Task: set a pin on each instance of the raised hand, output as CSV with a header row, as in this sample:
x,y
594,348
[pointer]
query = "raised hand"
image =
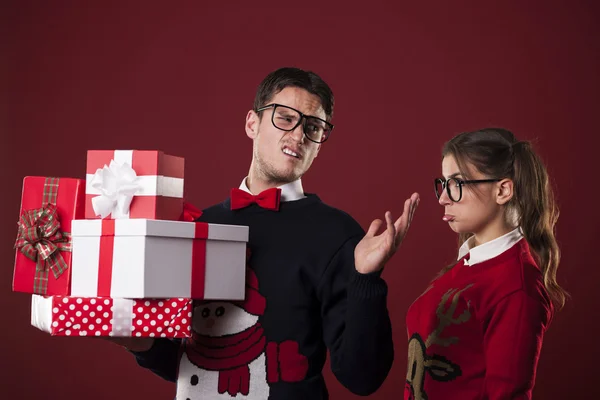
x,y
374,250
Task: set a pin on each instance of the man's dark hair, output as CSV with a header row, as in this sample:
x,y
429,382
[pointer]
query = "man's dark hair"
x,y
278,80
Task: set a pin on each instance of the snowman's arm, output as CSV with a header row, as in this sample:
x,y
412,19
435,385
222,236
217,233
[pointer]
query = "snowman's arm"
x,y
162,358
356,324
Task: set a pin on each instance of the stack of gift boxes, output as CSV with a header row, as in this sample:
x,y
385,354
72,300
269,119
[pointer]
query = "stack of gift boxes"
x,y
118,254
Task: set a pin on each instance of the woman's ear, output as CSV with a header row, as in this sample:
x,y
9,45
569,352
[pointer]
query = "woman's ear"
x,y
505,191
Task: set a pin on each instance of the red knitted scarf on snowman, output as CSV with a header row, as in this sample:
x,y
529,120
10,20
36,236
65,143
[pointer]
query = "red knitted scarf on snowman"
x,y
230,355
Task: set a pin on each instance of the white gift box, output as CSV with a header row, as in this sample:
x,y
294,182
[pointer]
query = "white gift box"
x,y
144,258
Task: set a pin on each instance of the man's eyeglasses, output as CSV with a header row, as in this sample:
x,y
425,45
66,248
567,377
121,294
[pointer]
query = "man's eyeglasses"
x,y
454,186
287,119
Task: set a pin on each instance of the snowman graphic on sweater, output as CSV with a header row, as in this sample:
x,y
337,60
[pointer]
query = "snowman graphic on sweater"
x,y
228,355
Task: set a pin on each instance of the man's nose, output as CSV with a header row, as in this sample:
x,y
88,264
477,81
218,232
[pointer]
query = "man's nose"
x,y
298,133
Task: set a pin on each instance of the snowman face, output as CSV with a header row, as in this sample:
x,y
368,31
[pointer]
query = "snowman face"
x,y
221,318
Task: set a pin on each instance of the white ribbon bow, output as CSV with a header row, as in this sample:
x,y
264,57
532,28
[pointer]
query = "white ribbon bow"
x,y
117,183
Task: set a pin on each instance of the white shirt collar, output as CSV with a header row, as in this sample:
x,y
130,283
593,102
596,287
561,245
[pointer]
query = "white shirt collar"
x,y
289,192
488,250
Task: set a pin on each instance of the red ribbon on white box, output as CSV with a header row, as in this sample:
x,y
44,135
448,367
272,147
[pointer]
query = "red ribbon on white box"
x,y
147,258
105,263
199,260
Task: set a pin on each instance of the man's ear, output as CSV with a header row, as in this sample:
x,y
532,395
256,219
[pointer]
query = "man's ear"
x,y
318,148
252,123
505,191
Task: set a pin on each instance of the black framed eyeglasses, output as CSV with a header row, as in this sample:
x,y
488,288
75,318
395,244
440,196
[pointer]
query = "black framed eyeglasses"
x,y
454,186
287,119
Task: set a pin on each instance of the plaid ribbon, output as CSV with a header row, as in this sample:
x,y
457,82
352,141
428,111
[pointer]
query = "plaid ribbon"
x,y
41,240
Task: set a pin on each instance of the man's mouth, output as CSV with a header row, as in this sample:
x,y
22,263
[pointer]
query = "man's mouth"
x,y
290,152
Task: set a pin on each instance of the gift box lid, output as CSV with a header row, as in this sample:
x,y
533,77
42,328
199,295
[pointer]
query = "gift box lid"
x,y
159,228
145,162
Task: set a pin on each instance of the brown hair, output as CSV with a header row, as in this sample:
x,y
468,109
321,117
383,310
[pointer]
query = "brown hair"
x,y
279,79
496,153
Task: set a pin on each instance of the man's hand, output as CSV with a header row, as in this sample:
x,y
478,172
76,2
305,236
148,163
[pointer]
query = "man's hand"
x,y
373,251
132,343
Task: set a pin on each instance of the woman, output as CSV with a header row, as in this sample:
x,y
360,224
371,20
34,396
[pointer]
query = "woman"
x,y
476,332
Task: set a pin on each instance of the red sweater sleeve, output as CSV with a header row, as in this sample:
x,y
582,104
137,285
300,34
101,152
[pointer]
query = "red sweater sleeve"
x,y
512,343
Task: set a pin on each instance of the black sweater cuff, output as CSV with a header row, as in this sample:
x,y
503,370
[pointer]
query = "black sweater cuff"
x,y
367,286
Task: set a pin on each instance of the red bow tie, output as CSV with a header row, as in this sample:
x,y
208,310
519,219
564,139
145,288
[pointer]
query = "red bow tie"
x,y
268,199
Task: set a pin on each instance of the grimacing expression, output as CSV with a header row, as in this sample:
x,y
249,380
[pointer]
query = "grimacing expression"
x,y
280,156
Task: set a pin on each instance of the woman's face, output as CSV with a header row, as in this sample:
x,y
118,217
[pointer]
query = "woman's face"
x,y
478,206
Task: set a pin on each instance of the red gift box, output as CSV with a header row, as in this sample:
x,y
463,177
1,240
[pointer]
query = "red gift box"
x,y
105,316
43,245
134,184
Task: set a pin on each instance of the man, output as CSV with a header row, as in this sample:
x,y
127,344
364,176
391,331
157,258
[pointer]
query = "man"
x,y
313,279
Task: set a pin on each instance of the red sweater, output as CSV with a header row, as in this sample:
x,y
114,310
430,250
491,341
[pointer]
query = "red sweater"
x,y
476,332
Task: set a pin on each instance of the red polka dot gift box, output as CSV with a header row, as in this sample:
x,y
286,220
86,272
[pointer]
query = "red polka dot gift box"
x,y
102,316
133,184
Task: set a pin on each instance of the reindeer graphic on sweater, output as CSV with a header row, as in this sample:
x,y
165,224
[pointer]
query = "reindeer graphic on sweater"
x,y
229,356
438,367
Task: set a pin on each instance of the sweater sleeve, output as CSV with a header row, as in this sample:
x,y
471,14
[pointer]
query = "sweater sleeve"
x,y
162,358
512,345
356,323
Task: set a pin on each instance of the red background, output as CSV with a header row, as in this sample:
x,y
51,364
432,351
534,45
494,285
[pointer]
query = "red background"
x,y
406,75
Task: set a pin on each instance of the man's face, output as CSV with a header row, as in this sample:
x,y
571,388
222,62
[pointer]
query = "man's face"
x,y
280,157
